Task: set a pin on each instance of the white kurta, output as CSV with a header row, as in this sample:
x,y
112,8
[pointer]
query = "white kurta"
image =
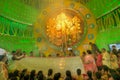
x,y
106,59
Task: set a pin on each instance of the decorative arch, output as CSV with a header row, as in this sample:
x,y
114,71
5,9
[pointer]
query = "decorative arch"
x,y
89,27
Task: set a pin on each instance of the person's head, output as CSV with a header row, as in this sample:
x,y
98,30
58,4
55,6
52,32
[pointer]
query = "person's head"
x,y
99,68
90,43
84,53
89,52
57,76
10,75
50,72
23,73
89,73
26,77
68,73
103,50
57,54
113,47
104,70
40,75
32,73
114,51
16,73
98,52
24,70
39,72
18,51
98,75
78,71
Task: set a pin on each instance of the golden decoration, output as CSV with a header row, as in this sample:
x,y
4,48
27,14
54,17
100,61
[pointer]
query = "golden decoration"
x,y
64,29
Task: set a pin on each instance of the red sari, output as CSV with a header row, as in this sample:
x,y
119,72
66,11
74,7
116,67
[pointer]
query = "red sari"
x,y
99,60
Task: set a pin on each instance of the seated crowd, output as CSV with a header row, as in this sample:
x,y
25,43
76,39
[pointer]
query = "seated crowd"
x,y
103,73
100,65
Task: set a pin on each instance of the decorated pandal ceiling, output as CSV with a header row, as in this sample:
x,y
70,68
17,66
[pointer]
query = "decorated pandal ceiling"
x,y
56,23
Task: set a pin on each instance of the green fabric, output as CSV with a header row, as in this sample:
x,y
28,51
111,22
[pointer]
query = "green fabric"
x,y
102,7
10,27
11,43
27,11
18,11
109,21
108,29
97,7
108,37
